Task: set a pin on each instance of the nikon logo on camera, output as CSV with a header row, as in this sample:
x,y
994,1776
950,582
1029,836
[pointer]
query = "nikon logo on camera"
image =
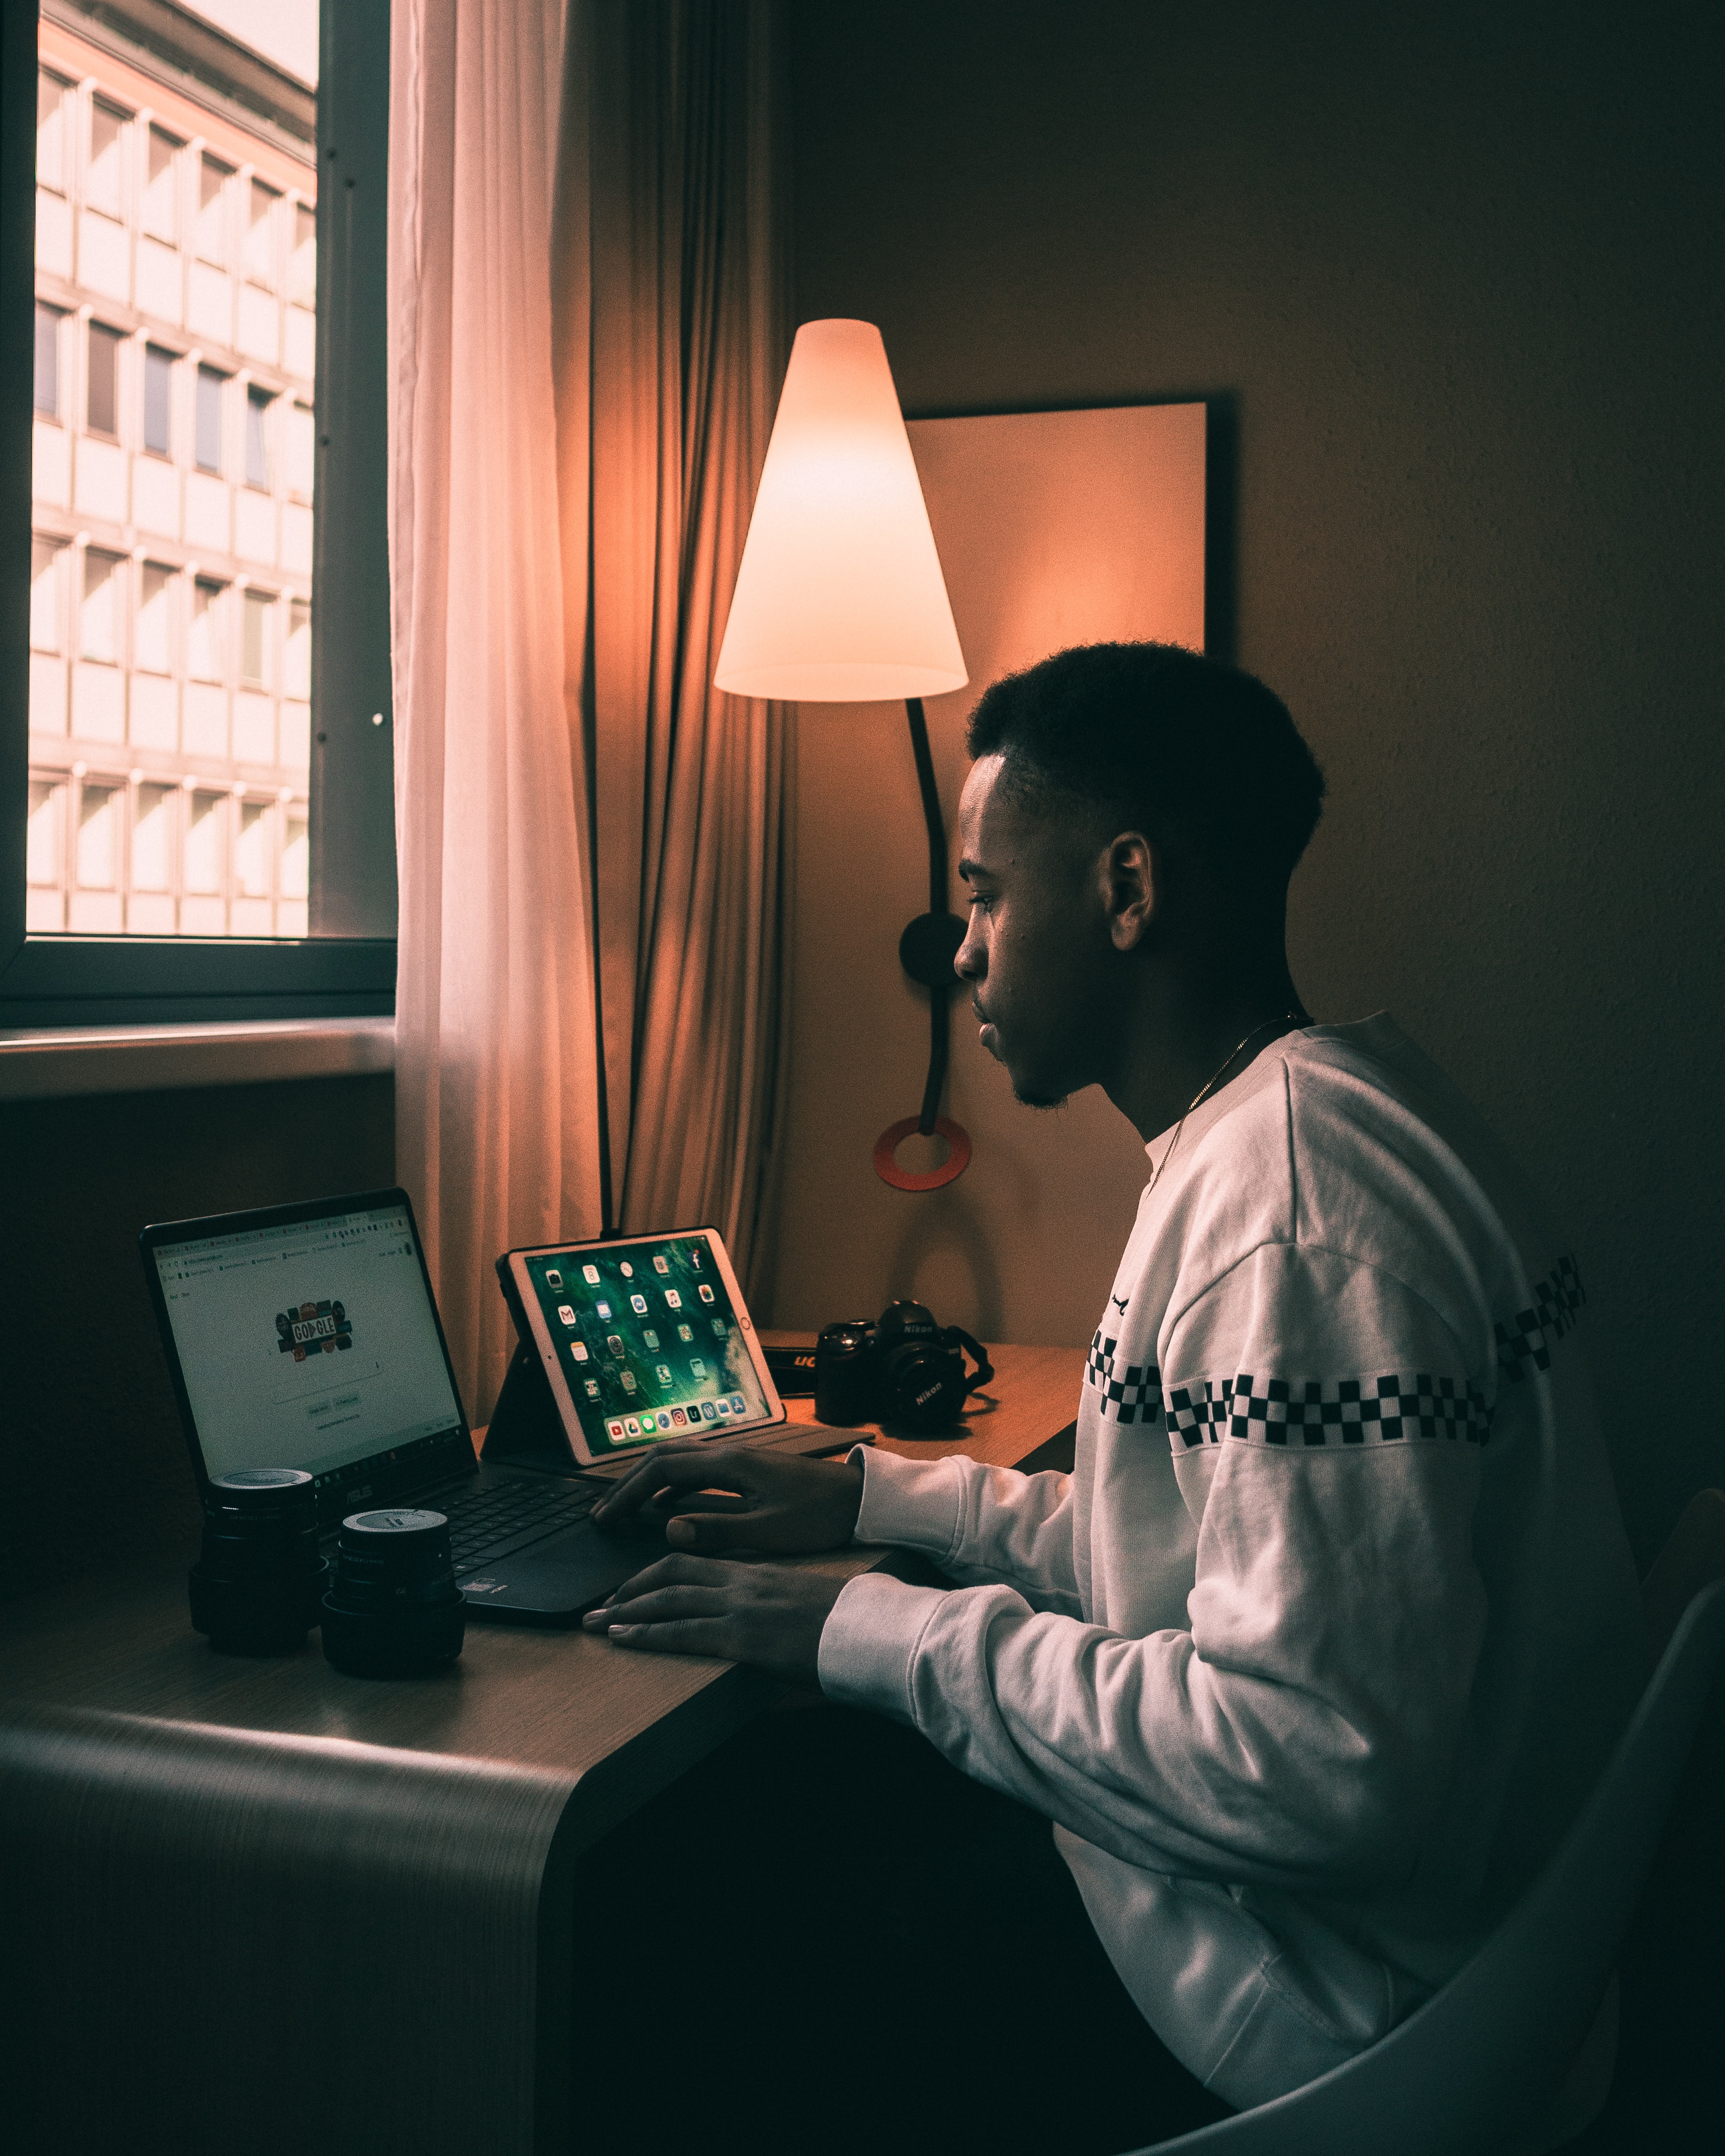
x,y
313,1328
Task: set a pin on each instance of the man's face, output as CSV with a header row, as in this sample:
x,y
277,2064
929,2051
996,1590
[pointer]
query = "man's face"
x,y
1037,949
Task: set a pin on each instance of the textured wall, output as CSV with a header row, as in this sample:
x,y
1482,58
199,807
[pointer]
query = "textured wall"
x,y
1453,272
90,1445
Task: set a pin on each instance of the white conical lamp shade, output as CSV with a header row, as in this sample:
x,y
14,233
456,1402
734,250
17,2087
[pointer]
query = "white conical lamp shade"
x,y
839,598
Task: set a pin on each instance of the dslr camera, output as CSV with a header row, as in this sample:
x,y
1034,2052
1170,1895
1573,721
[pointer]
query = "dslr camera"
x,y
906,1370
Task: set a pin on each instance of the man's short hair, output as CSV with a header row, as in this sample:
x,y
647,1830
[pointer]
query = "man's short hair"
x,y
1167,742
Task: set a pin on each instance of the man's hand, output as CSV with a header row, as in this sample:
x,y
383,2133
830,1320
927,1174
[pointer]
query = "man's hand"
x,y
771,1615
717,1496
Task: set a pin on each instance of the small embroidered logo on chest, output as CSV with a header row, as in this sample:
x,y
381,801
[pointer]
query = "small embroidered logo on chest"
x,y
1130,1392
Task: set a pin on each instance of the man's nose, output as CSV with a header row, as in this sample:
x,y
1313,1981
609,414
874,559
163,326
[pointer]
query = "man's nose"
x,y
971,963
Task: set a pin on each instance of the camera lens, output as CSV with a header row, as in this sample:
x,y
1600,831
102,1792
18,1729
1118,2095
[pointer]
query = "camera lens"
x,y
843,1373
393,1609
923,1386
255,1586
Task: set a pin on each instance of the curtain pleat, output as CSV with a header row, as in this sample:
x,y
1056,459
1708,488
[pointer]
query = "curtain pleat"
x,y
678,260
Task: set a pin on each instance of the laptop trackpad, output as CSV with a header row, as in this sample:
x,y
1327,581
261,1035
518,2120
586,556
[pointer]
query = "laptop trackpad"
x,y
561,1578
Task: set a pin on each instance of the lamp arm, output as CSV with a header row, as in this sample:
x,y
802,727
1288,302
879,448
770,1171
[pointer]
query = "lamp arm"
x,y
940,930
930,806
926,951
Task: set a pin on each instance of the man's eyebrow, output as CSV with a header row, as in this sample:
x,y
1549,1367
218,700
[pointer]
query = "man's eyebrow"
x,y
968,870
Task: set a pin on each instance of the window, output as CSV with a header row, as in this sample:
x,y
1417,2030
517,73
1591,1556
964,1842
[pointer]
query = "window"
x,y
43,846
210,386
211,237
203,841
260,236
47,361
295,858
101,405
45,595
152,645
302,268
251,850
102,187
158,400
160,207
51,131
203,652
296,652
301,450
257,438
153,838
239,817
99,618
255,639
98,837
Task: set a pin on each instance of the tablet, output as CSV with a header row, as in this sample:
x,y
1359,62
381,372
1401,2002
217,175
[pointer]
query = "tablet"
x,y
642,1338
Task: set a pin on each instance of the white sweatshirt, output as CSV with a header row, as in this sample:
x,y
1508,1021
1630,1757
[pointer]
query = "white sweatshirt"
x,y
1312,1656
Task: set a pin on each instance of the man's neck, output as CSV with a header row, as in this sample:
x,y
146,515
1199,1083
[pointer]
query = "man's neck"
x,y
1183,1042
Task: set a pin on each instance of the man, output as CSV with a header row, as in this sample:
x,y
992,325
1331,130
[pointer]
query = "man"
x,y
1312,1657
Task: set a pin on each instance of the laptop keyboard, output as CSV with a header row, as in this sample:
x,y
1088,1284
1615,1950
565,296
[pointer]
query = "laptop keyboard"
x,y
487,1524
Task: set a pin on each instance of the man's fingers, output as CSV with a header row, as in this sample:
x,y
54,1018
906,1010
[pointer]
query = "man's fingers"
x,y
666,1605
709,1531
693,1635
682,1465
676,1571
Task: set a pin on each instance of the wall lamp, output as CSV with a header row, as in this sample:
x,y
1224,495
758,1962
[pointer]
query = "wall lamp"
x,y
840,599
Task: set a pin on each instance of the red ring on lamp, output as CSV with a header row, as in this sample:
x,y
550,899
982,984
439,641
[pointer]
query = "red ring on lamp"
x,y
950,1169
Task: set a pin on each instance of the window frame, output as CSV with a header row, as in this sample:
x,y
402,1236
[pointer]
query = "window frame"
x,y
346,966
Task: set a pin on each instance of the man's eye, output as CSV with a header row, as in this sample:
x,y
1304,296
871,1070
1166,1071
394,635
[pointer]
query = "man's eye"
x,y
979,898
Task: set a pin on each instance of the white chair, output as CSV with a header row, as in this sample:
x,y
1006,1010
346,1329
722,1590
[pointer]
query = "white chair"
x,y
1514,2057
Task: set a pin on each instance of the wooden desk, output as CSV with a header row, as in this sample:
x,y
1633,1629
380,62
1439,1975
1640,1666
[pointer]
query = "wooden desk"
x,y
262,1904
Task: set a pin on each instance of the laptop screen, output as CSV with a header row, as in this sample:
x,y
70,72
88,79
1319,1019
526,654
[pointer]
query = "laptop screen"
x,y
309,1343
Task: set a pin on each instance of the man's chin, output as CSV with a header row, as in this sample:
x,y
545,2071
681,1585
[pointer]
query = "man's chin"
x,y
1028,1098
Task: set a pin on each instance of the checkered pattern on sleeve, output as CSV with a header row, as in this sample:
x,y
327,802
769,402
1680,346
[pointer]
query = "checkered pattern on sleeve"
x,y
1130,1392
1313,1411
1525,1341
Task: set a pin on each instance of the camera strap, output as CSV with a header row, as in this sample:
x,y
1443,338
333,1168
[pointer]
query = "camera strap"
x,y
984,1370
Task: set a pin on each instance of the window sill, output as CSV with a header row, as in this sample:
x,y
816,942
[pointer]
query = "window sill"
x,y
65,1060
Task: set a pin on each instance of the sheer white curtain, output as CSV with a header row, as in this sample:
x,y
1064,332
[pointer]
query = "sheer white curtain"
x,y
580,405
497,1133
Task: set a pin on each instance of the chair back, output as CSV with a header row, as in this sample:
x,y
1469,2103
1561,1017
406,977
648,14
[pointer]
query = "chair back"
x,y
1471,2071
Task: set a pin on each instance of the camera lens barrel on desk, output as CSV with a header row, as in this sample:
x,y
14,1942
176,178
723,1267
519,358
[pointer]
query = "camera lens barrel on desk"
x,y
388,1607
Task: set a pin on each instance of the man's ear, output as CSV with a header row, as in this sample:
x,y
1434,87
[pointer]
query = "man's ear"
x,y
1133,875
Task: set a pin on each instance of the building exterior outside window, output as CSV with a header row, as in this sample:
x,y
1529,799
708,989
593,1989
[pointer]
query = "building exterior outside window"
x,y
170,563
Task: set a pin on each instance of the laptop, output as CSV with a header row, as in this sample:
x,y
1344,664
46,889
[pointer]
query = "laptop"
x,y
307,1336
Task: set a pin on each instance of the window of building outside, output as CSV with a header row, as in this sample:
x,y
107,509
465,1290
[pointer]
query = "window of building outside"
x,y
211,384
158,400
161,212
257,440
48,362
101,412
213,178
176,458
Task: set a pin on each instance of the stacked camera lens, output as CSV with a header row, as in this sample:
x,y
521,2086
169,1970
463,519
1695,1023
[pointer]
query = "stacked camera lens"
x,y
393,1609
256,1585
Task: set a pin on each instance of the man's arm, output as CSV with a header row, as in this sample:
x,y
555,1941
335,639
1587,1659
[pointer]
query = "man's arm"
x,y
1303,1728
1301,1732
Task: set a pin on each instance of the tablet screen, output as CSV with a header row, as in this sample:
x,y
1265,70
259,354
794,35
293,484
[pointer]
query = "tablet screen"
x,y
648,1340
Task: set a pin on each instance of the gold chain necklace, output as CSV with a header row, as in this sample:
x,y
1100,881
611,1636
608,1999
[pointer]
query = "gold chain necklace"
x,y
1288,1017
